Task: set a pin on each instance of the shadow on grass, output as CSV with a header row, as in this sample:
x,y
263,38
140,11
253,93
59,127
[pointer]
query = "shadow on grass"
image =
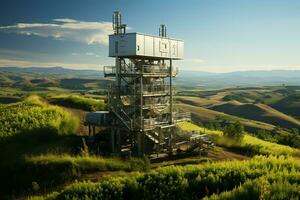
x,y
19,176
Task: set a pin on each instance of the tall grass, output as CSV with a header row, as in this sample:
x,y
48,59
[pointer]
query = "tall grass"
x,y
89,163
188,127
33,114
76,101
258,178
249,144
32,127
51,170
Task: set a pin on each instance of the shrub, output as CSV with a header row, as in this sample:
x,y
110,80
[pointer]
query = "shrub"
x,y
235,131
261,177
80,102
49,171
260,189
33,115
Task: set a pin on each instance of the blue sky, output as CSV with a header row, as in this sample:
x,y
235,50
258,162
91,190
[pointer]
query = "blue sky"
x,y
219,35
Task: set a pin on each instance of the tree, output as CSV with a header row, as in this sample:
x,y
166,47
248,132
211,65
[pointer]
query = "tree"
x,y
295,131
234,131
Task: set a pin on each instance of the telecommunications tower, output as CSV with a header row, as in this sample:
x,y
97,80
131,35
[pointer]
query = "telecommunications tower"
x,y
140,96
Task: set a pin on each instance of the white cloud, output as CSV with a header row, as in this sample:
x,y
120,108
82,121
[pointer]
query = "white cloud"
x,y
65,20
24,63
86,54
65,29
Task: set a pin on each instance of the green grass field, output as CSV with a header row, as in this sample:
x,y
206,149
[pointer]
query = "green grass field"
x,y
258,112
258,178
77,101
33,114
263,147
201,114
40,151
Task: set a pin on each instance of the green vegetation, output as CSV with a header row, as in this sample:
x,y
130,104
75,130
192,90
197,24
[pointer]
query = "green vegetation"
x,y
32,115
261,188
258,112
51,170
188,127
39,150
205,115
253,146
40,153
249,145
275,175
32,127
234,131
236,97
76,101
86,164
289,104
280,135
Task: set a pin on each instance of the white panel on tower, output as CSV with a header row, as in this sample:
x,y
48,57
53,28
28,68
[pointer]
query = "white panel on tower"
x,y
142,45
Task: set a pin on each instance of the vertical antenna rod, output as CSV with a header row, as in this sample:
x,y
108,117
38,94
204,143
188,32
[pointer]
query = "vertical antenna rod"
x,y
118,27
162,31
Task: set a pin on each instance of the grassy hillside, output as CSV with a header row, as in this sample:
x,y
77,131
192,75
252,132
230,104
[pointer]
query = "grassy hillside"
x,y
25,82
76,101
201,114
34,127
251,142
258,112
33,114
197,101
42,149
289,105
258,178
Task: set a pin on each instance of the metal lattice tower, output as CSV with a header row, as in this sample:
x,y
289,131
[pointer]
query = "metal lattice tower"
x,y
141,95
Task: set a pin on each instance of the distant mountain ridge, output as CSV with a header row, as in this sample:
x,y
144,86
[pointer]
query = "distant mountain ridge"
x,y
239,78
52,70
199,79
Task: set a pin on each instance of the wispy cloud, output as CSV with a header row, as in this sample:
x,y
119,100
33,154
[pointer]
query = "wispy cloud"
x,y
25,63
65,29
85,54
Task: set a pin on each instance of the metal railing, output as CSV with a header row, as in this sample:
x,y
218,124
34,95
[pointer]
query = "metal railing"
x,y
109,70
181,116
156,89
152,135
145,124
157,101
117,108
146,70
149,124
154,69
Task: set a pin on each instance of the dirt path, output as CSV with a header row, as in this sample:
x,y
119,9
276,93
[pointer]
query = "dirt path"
x,y
218,155
223,154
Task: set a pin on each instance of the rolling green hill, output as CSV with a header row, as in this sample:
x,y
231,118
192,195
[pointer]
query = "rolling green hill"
x,y
201,114
258,112
289,105
265,146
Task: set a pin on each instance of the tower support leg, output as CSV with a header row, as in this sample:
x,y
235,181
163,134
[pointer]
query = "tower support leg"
x,y
118,141
140,145
112,140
